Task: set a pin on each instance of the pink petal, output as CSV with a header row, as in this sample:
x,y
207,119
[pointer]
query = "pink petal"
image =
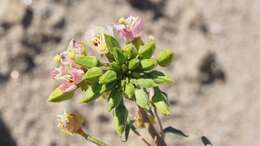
x,y
76,75
67,87
138,28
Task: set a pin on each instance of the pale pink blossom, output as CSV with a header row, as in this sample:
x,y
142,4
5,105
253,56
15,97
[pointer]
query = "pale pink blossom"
x,y
129,28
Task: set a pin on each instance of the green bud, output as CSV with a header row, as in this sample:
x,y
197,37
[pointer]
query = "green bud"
x,y
138,42
130,51
164,58
93,73
148,64
57,95
108,77
145,83
147,50
87,61
133,64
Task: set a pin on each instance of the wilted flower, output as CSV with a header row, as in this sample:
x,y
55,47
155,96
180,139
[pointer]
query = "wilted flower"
x,y
69,123
129,28
96,38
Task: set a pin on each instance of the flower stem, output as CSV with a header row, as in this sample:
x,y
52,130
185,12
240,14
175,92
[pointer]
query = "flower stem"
x,y
159,122
92,139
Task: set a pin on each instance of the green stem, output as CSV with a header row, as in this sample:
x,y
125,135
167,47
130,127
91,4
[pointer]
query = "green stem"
x,y
92,139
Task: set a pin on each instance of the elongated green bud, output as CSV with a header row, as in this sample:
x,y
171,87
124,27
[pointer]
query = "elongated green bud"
x,y
133,64
164,58
108,77
148,64
93,73
147,50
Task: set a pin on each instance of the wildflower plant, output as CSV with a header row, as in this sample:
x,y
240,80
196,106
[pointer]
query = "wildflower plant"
x,y
117,64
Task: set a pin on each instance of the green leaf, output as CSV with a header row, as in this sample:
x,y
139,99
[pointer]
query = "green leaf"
x,y
146,51
145,83
92,93
57,95
111,42
164,58
161,102
148,64
120,115
118,55
128,127
93,73
129,90
133,64
159,77
206,141
142,98
174,131
114,99
108,77
87,61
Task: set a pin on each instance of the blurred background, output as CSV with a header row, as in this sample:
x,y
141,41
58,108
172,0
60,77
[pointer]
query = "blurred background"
x,y
216,69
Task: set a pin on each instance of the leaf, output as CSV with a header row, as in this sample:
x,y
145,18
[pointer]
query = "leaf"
x,y
114,99
128,127
87,61
148,64
92,93
164,58
174,131
133,64
108,77
145,83
142,98
160,101
57,95
146,51
93,73
111,42
118,55
206,141
129,90
120,115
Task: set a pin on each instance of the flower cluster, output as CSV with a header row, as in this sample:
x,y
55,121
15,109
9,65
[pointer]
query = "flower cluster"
x,y
122,69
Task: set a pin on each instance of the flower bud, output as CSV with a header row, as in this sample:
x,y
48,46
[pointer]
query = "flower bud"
x,y
164,58
146,51
69,123
108,77
148,64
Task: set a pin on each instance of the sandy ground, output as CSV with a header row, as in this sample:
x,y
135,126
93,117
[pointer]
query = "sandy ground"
x,y
216,68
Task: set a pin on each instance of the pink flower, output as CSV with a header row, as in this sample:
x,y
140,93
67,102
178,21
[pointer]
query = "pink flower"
x,y
70,77
129,28
75,78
